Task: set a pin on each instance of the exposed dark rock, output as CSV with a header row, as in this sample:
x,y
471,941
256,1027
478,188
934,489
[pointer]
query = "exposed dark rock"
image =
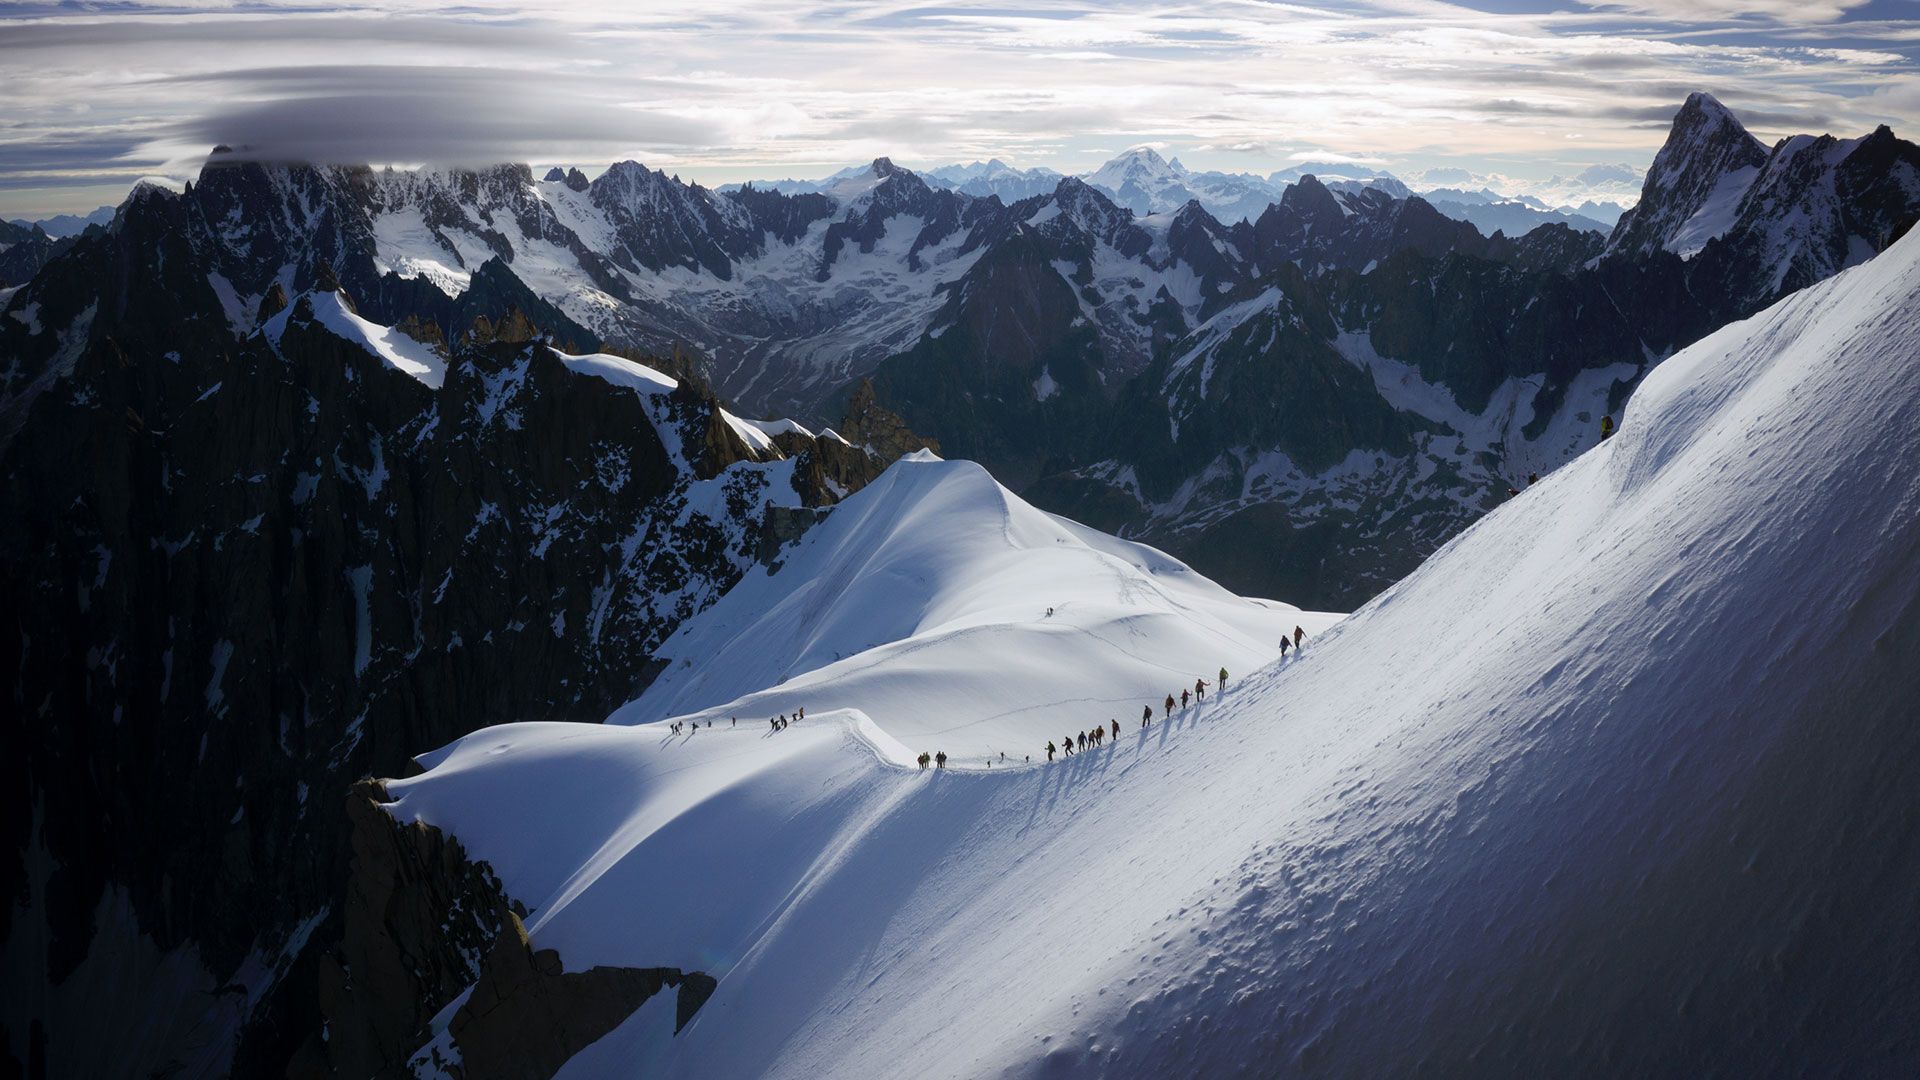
x,y
273,303
423,924
527,1015
869,424
418,913
424,331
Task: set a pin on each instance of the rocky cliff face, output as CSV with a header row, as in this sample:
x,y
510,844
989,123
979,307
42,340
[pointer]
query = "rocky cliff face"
x,y
435,973
244,570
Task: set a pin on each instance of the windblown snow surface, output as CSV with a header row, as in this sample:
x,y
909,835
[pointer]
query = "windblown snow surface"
x,y
1621,782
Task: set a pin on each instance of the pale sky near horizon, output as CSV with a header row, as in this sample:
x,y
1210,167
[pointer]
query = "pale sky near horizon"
x,y
94,96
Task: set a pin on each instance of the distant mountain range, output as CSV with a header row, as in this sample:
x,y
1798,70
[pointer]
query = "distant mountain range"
x,y
1143,181
61,226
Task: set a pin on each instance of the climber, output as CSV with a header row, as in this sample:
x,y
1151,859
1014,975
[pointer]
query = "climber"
x,y
1185,695
923,759
1223,680
1049,749
1297,635
1200,689
1146,716
940,760
1533,478
1116,728
1169,705
1606,428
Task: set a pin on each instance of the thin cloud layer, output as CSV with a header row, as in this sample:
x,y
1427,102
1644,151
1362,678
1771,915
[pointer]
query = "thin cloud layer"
x,y
744,89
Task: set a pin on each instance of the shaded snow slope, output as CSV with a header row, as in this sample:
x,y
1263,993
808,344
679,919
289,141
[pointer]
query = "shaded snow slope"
x,y
1618,783
400,352
959,618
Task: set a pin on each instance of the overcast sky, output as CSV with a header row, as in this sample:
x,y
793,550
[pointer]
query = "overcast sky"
x,y
94,96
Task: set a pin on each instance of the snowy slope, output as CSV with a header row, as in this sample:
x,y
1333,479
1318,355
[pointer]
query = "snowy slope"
x,y
957,617
399,351
1618,782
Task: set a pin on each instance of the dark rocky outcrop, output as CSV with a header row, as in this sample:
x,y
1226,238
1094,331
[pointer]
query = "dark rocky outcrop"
x,y
424,924
417,914
527,1015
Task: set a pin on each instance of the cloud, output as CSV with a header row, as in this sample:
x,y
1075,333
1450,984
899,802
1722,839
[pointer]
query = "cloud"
x,y
1698,11
347,114
732,89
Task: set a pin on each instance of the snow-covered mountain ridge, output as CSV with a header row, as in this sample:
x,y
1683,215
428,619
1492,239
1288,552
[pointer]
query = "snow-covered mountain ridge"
x,y
1614,782
1022,620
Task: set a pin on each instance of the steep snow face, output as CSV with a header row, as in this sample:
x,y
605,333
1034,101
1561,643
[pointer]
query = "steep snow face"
x,y
1619,781
956,617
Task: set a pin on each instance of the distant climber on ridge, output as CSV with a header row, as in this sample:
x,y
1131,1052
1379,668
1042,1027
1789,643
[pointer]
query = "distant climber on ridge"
x,y
1606,427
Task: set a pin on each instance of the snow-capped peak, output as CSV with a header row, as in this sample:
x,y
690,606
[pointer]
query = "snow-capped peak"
x,y
1693,191
1141,166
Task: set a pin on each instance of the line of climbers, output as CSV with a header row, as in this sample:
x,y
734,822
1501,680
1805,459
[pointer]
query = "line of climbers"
x,y
778,723
1097,736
